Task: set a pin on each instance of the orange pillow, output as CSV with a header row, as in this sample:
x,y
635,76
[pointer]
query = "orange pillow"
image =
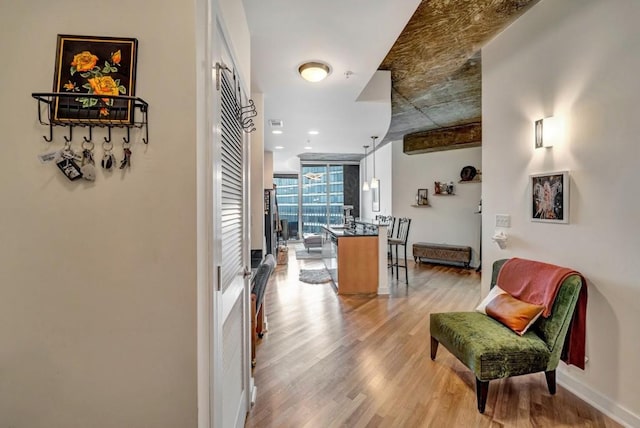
x,y
513,313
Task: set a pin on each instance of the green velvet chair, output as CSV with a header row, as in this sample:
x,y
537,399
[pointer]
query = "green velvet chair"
x,y
492,351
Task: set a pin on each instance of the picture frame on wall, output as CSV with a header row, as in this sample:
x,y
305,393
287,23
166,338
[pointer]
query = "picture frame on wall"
x,y
422,198
89,72
549,197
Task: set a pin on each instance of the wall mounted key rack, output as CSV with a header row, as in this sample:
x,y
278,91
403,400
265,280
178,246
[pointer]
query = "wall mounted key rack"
x,y
73,110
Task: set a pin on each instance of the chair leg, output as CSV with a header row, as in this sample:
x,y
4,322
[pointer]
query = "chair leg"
x,y
551,381
434,348
406,270
482,390
397,264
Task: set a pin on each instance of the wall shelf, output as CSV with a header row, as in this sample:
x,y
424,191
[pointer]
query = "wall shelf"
x,y
420,206
443,194
476,179
64,109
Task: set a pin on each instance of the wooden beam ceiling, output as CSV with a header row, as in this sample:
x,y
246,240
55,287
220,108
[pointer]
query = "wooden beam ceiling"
x,y
455,137
436,66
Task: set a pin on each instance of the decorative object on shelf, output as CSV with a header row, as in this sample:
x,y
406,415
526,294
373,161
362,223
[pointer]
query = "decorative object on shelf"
x,y
442,188
549,197
244,114
421,197
89,65
468,173
365,182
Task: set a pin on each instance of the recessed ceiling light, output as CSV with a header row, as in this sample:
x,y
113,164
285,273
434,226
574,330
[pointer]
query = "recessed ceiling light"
x,y
314,71
276,131
314,132
308,147
279,147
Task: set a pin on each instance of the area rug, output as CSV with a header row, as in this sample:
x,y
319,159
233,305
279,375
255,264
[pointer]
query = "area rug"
x,y
303,254
314,276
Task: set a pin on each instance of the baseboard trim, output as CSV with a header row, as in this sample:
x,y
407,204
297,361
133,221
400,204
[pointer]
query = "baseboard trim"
x,y
610,408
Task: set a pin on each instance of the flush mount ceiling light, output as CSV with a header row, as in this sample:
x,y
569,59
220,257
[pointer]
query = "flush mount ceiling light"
x,y
314,71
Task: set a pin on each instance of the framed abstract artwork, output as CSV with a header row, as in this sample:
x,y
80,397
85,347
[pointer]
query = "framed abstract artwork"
x,y
549,197
91,72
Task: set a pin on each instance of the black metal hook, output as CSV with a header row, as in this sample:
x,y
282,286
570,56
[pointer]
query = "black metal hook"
x,y
68,140
108,139
88,140
126,139
48,140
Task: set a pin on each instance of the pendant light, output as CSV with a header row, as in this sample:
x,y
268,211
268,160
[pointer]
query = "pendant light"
x,y
365,184
374,181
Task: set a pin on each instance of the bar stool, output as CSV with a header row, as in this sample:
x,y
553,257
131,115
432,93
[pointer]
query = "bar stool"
x,y
400,240
390,222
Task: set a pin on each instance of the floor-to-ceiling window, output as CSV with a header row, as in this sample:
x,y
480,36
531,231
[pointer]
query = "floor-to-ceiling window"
x,y
322,196
317,197
287,191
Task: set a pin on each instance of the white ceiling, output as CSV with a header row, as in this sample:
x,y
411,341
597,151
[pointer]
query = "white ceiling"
x,y
349,35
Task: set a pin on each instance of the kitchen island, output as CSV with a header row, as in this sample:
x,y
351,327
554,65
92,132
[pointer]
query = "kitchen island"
x,y
356,257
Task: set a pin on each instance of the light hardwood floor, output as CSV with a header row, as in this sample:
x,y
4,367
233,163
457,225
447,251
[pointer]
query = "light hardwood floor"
x,y
334,361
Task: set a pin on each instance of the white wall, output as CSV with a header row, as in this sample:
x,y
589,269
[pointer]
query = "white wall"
x,y
98,307
447,219
578,60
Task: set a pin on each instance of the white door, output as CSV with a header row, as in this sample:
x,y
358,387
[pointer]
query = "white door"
x,y
230,324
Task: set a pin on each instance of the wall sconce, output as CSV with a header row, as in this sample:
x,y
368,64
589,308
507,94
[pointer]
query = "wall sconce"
x,y
547,132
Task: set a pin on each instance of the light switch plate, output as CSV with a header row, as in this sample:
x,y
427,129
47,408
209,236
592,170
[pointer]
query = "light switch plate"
x,y
503,220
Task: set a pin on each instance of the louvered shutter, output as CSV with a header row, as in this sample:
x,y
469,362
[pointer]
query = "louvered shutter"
x,y
231,158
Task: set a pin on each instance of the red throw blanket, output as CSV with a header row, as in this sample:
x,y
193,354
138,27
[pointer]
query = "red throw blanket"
x,y
538,283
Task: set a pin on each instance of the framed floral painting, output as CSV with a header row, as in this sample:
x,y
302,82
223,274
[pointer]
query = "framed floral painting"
x,y
89,67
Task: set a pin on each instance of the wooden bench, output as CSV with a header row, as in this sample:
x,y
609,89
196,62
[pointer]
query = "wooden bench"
x,y
442,252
